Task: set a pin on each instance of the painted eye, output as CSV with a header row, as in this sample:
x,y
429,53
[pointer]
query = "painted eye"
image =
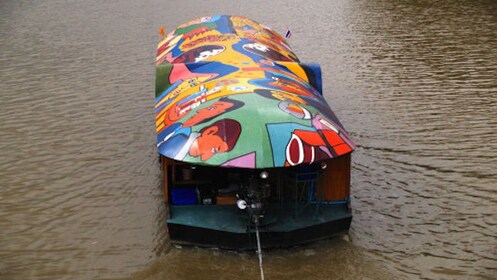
x,y
214,150
210,108
260,47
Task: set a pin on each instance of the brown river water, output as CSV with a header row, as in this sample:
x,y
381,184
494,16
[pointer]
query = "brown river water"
x,y
414,82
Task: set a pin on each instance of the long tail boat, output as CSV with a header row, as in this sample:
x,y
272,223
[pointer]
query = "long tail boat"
x,y
246,139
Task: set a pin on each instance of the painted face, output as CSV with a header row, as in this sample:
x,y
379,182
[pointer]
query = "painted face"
x,y
213,110
208,144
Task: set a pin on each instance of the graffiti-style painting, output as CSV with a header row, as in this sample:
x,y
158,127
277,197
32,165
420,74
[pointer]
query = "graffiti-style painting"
x,y
230,92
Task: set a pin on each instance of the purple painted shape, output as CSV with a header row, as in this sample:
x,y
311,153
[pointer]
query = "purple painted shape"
x,y
245,161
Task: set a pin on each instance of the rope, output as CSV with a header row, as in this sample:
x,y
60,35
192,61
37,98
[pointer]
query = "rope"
x,y
259,251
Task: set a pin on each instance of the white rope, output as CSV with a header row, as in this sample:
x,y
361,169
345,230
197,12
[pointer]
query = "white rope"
x,y
259,251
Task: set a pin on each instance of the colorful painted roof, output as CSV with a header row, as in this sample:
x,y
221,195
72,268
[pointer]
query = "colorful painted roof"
x,y
230,92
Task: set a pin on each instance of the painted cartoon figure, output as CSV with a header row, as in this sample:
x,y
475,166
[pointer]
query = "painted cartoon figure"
x,y
219,137
173,138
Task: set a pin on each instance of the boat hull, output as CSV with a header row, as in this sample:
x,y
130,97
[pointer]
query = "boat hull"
x,y
230,229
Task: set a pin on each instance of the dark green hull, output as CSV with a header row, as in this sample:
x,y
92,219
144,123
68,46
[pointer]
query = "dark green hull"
x,y
227,227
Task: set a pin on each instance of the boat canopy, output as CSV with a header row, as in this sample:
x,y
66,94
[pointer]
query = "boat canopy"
x,y
230,92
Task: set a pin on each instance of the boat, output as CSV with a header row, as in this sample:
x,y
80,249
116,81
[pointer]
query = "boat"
x,y
248,145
